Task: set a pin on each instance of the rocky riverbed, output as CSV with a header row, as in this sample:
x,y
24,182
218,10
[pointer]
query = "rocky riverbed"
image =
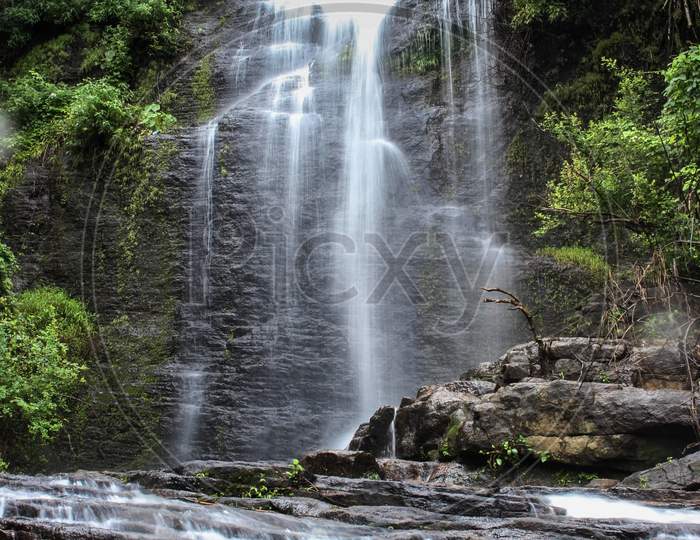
x,y
615,423
205,499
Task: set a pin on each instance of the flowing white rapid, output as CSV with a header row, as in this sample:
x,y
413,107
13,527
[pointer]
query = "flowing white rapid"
x,y
73,506
586,506
92,505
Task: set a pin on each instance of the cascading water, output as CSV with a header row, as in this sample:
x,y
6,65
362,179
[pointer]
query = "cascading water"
x,y
193,375
587,506
367,152
306,148
88,505
483,93
476,234
82,507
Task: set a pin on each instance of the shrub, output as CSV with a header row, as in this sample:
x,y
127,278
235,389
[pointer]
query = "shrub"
x,y
43,340
8,265
511,452
51,305
635,170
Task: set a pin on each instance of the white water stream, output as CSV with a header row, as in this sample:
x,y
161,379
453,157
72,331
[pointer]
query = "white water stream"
x,y
578,505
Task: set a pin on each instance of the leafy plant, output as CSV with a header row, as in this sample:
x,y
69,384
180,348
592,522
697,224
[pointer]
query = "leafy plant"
x,y
568,478
511,452
445,451
295,472
529,11
41,350
261,490
203,89
635,170
44,342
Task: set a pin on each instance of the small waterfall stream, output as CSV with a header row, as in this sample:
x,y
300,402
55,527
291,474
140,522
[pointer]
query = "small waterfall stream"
x,y
193,375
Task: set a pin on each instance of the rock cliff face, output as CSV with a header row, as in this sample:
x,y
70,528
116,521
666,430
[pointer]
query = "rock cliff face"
x,y
279,376
72,230
276,376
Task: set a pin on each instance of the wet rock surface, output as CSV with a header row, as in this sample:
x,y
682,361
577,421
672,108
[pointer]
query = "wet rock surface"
x,y
375,436
341,463
587,424
95,506
683,473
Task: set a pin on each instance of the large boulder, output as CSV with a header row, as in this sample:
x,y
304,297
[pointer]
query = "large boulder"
x,y
341,463
661,366
683,473
615,361
423,423
582,424
374,436
572,358
429,471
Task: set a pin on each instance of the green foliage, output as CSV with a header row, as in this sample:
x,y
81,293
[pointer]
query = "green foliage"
x,y
635,169
96,112
44,336
8,265
527,12
87,117
581,257
568,478
203,89
51,305
260,490
48,59
510,452
131,30
422,55
448,445
445,452
295,472
44,341
18,19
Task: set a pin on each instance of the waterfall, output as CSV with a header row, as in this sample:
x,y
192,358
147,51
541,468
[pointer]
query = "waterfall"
x,y
446,27
475,228
482,64
193,375
308,141
364,176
